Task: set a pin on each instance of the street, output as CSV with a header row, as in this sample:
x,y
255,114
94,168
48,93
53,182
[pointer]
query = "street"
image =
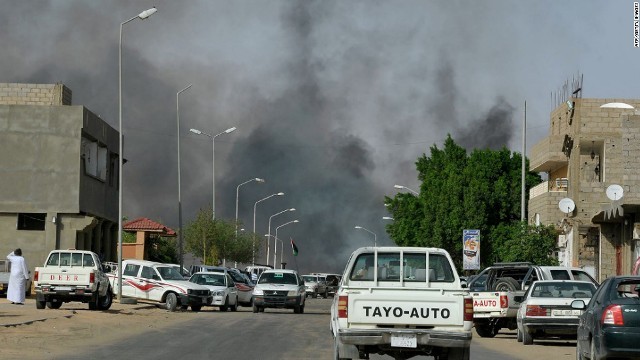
x,y
274,334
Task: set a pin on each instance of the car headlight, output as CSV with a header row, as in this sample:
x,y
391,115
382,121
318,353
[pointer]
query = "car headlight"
x,y
218,293
292,293
258,292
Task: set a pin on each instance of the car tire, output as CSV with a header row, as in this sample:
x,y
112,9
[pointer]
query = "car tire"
x,y
171,302
519,336
593,355
326,293
527,337
234,307
104,302
256,309
41,304
336,350
54,304
196,307
486,331
302,309
226,304
506,284
456,353
261,308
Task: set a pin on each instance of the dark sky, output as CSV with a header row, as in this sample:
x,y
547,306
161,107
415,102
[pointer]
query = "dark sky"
x,y
334,101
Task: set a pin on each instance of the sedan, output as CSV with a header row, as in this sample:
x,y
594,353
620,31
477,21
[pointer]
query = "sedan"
x,y
223,289
610,324
545,309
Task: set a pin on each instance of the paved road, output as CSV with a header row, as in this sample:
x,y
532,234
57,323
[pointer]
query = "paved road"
x,y
280,334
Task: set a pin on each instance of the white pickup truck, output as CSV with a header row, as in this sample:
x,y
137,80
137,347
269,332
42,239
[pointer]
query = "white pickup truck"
x,y
496,289
72,275
402,302
162,283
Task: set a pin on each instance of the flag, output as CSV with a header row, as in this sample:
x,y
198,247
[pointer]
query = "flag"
x,y
294,248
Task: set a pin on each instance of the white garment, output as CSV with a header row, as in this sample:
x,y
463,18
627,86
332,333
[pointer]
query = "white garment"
x,y
17,280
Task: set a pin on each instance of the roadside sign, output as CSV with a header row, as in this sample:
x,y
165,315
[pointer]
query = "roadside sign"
x,y
471,249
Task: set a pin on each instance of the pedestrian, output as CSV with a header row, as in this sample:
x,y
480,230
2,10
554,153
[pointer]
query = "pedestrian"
x,y
18,278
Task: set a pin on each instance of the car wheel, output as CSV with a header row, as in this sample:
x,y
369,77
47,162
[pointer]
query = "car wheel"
x,y
579,355
261,308
104,302
519,336
593,355
506,284
459,353
41,304
324,296
54,304
315,295
527,337
196,307
302,309
226,304
486,331
255,308
171,302
234,307
336,350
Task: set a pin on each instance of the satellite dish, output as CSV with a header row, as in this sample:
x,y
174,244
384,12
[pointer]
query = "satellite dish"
x,y
566,205
616,105
615,192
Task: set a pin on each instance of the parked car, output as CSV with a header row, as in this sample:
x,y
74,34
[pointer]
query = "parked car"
x,y
545,309
610,324
282,288
222,287
245,287
314,285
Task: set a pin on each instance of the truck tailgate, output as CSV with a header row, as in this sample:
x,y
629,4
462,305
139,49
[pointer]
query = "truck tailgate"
x,y
487,302
384,306
64,276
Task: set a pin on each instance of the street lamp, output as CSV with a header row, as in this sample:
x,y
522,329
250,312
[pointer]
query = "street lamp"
x,y
406,188
179,186
143,15
237,196
275,244
387,218
213,162
269,238
375,242
253,261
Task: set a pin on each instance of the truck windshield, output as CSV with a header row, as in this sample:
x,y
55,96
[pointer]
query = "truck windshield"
x,y
307,278
412,269
278,278
169,273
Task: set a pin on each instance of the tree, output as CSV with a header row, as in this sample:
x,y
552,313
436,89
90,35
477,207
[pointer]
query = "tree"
x,y
215,240
522,242
460,191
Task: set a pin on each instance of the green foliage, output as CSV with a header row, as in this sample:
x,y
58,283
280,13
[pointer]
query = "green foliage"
x,y
128,237
477,191
214,240
164,250
521,242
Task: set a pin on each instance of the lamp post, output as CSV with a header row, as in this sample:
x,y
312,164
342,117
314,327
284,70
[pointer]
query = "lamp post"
x,y
406,188
213,163
179,186
259,180
387,218
275,244
375,241
253,261
269,238
143,15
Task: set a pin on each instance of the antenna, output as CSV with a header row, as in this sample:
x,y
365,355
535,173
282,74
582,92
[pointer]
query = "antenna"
x,y
567,205
615,192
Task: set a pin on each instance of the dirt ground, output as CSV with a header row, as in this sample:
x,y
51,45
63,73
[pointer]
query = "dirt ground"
x,y
48,334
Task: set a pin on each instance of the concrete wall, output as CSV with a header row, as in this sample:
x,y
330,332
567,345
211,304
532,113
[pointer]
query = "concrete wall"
x,y
34,94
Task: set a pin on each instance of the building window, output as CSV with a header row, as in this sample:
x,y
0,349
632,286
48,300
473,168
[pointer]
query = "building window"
x,y
95,159
31,221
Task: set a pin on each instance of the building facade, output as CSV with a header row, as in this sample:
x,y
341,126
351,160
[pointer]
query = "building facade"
x,y
591,158
59,174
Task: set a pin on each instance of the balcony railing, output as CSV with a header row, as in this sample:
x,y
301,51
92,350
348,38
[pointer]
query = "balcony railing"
x,y
556,185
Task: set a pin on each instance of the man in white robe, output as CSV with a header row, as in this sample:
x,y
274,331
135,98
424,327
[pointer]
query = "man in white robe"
x,y
18,277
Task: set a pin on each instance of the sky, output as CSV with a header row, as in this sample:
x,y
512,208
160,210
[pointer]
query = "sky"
x,y
334,101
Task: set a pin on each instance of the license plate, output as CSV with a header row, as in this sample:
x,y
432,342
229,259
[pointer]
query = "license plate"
x,y
405,341
566,312
63,288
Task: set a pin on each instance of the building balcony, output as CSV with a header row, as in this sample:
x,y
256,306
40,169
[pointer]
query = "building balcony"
x,y
544,199
547,154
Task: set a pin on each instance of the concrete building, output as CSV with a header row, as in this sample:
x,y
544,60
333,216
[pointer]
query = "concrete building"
x,y
589,149
59,174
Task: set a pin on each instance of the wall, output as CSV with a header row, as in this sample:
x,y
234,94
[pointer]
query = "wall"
x,y
34,94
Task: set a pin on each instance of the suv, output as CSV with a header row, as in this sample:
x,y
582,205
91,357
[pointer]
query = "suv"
x,y
282,288
494,292
315,284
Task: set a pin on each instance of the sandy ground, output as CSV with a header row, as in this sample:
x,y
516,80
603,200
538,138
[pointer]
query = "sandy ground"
x,y
48,334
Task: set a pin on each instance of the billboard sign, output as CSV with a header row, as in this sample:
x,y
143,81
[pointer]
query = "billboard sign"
x,y
471,249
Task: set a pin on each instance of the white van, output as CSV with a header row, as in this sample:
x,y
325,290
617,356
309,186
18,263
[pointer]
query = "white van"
x,y
256,270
